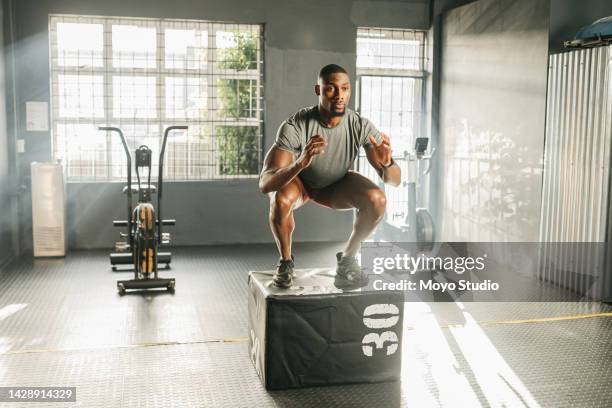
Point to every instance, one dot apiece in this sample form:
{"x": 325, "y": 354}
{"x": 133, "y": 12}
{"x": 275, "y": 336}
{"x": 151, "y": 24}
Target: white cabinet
{"x": 48, "y": 210}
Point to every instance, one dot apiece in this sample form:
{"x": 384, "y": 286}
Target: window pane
{"x": 80, "y": 96}
{"x": 236, "y": 50}
{"x": 237, "y": 98}
{"x": 389, "y": 102}
{"x": 238, "y": 149}
{"x": 146, "y": 74}
{"x": 136, "y": 136}
{"x": 134, "y": 47}
{"x": 185, "y": 49}
{"x": 79, "y": 45}
{"x": 390, "y": 63}
{"x": 225, "y": 39}
{"x": 188, "y": 155}
{"x": 134, "y": 97}
{"x": 388, "y": 53}
{"x": 82, "y": 148}
{"x": 186, "y": 98}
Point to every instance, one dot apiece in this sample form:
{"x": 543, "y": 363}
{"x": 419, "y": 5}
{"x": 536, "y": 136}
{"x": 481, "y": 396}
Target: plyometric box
{"x": 315, "y": 334}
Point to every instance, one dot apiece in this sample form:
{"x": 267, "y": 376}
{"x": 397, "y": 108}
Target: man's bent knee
{"x": 376, "y": 201}
{"x": 284, "y": 200}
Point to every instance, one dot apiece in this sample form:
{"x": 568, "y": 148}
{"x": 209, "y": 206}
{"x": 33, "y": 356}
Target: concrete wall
{"x": 300, "y": 38}
{"x": 6, "y": 163}
{"x": 440, "y": 7}
{"x": 492, "y": 107}
{"x": 566, "y": 16}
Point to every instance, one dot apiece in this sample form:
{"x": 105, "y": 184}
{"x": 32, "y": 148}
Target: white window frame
{"x": 212, "y": 72}
{"x": 396, "y": 197}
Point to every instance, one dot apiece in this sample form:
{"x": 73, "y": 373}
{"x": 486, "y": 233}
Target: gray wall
{"x": 492, "y": 106}
{"x": 439, "y": 7}
{"x": 6, "y": 160}
{"x": 566, "y": 16}
{"x": 300, "y": 38}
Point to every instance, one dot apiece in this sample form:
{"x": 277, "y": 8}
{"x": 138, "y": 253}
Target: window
{"x": 391, "y": 74}
{"x": 144, "y": 75}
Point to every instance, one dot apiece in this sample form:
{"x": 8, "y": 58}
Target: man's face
{"x": 334, "y": 93}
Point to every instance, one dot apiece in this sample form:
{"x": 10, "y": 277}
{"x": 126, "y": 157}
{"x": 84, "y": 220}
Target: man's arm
{"x": 280, "y": 168}
{"x": 379, "y": 156}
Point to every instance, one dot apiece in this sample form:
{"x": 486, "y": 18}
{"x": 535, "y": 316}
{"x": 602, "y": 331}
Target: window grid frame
{"x": 212, "y": 73}
{"x": 397, "y": 198}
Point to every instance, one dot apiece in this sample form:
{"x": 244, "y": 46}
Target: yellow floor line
{"x": 125, "y": 346}
{"x": 547, "y": 319}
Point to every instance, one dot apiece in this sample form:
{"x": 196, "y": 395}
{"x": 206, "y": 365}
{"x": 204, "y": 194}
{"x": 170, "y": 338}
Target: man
{"x": 311, "y": 160}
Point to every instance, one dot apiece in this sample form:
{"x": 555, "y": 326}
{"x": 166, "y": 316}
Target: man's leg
{"x": 282, "y": 205}
{"x": 358, "y": 192}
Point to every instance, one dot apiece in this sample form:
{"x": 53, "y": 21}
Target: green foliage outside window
{"x": 243, "y": 56}
{"x": 236, "y": 98}
{"x": 238, "y": 145}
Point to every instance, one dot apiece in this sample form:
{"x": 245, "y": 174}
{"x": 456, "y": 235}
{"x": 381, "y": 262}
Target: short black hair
{"x": 330, "y": 69}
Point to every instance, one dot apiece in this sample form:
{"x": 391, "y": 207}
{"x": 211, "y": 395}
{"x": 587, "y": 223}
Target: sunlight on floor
{"x": 432, "y": 375}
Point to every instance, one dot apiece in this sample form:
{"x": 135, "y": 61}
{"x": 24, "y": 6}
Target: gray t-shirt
{"x": 343, "y": 143}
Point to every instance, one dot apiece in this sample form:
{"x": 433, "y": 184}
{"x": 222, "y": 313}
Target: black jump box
{"x": 315, "y": 334}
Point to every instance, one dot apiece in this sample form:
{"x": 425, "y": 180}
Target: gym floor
{"x": 62, "y": 323}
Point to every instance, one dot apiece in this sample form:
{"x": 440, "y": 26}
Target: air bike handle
{"x": 129, "y": 178}
{"x": 160, "y": 178}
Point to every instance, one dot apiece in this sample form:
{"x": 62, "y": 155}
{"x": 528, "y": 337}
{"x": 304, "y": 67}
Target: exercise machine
{"x": 418, "y": 225}
{"x": 144, "y": 235}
